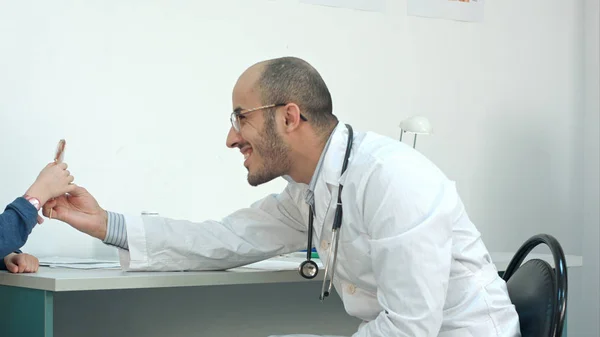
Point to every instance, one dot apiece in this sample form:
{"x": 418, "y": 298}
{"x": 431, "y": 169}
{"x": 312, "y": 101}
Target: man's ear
{"x": 292, "y": 116}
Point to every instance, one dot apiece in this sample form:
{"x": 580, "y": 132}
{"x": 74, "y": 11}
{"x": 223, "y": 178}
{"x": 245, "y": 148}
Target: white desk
{"x": 51, "y": 300}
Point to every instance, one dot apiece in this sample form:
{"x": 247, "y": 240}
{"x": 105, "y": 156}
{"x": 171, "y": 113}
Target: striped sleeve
{"x": 116, "y": 233}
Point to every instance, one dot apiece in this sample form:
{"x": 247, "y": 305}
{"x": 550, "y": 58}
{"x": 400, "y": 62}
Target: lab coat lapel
{"x": 327, "y": 186}
{"x": 322, "y": 203}
{"x": 328, "y": 180}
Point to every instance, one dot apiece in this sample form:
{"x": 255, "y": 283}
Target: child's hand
{"x": 21, "y": 263}
{"x": 54, "y": 180}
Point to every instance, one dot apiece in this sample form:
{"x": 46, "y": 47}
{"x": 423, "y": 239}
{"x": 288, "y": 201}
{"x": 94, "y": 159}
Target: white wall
{"x": 515, "y": 79}
{"x": 141, "y": 91}
{"x": 591, "y": 208}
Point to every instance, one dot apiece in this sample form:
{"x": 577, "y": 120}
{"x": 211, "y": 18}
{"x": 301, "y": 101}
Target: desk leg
{"x": 26, "y": 312}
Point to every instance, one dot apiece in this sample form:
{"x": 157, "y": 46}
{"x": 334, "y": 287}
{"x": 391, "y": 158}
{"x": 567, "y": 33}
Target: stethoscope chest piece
{"x": 308, "y": 269}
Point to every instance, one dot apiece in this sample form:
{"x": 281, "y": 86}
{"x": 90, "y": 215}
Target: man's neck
{"x": 308, "y": 157}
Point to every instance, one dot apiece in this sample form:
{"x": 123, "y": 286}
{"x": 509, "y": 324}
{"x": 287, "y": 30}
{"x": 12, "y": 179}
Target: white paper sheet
{"x": 364, "y": 5}
{"x": 460, "y": 10}
{"x": 71, "y": 260}
{"x": 78, "y": 263}
{"x": 290, "y": 262}
{"x": 108, "y": 265}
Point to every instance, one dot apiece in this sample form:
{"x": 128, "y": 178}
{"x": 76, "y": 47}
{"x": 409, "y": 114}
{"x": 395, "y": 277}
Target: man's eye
{"x": 241, "y": 117}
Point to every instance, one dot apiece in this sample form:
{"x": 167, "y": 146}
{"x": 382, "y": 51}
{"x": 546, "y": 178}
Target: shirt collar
{"x": 326, "y": 165}
{"x": 313, "y": 180}
{"x": 310, "y": 196}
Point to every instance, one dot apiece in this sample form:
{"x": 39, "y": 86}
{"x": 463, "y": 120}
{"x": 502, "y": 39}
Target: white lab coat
{"x": 410, "y": 262}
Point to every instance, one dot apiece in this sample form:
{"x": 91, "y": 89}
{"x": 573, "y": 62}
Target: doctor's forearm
{"x": 116, "y": 232}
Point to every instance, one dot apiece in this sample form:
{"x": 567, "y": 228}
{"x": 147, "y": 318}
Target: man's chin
{"x": 259, "y": 179}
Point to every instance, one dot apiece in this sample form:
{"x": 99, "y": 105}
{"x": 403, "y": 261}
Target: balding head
{"x": 281, "y": 121}
{"x": 292, "y": 80}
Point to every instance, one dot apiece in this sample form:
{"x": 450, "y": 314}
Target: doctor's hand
{"x": 80, "y": 210}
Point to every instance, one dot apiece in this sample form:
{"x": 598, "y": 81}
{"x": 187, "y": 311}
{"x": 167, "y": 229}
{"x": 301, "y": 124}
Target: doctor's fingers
{"x": 50, "y": 204}
{"x": 61, "y": 200}
{"x": 53, "y": 203}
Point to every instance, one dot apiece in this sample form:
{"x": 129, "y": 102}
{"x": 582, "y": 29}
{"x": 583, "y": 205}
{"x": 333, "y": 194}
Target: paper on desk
{"x": 108, "y": 265}
{"x": 78, "y": 263}
{"x": 279, "y": 263}
{"x": 70, "y": 259}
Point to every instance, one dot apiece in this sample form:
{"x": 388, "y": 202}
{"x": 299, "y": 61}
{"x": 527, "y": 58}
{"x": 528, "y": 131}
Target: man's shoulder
{"x": 376, "y": 152}
{"x": 374, "y": 148}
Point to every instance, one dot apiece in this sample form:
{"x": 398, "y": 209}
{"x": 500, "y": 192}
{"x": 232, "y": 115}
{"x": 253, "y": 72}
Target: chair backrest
{"x": 538, "y": 291}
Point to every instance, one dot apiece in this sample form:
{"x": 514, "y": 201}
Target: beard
{"x": 274, "y": 153}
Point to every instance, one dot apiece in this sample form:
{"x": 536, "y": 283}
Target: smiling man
{"x": 409, "y": 260}
{"x": 260, "y": 138}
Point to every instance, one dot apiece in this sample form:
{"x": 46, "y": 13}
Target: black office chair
{"x": 538, "y": 291}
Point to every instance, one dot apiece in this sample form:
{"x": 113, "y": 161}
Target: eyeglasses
{"x": 239, "y": 114}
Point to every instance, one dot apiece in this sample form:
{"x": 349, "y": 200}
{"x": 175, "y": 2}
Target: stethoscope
{"x": 308, "y": 269}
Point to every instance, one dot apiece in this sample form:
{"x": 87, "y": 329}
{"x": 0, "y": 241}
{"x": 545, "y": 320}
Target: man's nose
{"x": 233, "y": 138}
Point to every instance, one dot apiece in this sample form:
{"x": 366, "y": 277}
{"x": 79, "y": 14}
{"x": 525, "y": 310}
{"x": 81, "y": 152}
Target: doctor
{"x": 409, "y": 261}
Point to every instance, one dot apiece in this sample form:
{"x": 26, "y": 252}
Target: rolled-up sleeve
{"x": 16, "y": 223}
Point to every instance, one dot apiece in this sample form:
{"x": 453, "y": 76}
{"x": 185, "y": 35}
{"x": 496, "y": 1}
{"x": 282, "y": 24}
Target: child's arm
{"x": 16, "y": 223}
{"x": 19, "y": 217}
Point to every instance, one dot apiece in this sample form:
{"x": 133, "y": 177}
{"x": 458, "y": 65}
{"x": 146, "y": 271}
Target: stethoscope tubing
{"x": 309, "y": 269}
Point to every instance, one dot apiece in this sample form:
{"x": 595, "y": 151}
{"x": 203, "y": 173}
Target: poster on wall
{"x": 364, "y": 5}
{"x": 460, "y": 10}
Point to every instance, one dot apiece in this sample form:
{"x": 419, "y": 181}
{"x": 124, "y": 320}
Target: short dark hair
{"x": 293, "y": 80}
